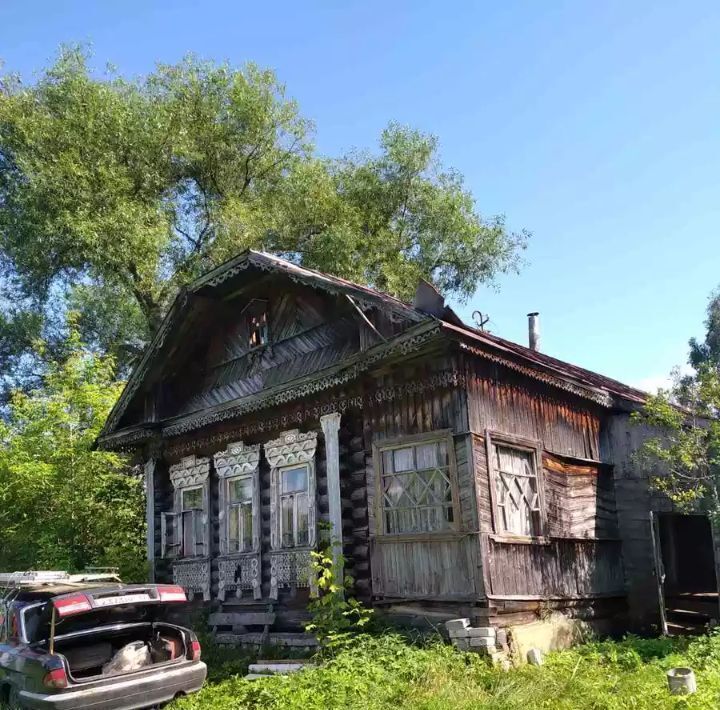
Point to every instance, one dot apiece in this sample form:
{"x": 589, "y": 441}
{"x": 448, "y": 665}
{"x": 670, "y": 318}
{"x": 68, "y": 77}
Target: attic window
{"x": 256, "y": 323}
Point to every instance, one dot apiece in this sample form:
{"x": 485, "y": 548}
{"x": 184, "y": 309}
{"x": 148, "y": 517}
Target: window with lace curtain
{"x": 517, "y": 489}
{"x": 417, "y": 485}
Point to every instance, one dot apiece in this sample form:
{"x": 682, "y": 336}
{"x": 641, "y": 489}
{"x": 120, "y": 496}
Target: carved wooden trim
{"x": 191, "y": 471}
{"x": 438, "y": 380}
{"x": 291, "y": 448}
{"x": 193, "y": 575}
{"x": 238, "y": 571}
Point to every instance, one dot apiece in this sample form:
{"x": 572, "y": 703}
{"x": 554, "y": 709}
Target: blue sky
{"x": 592, "y": 124}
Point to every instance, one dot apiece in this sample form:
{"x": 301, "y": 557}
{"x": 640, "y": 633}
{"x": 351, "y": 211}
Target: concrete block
{"x": 482, "y": 631}
{"x": 457, "y": 624}
{"x": 462, "y": 644}
{"x": 482, "y": 642}
{"x": 535, "y": 657}
{"x": 454, "y": 635}
{"x": 501, "y": 638}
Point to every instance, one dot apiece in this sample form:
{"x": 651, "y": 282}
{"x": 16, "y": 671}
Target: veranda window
{"x": 240, "y": 514}
{"x": 294, "y": 506}
{"x": 517, "y": 490}
{"x": 416, "y": 487}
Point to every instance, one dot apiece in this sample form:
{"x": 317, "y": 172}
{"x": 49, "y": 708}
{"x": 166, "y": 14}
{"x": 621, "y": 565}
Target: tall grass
{"x": 392, "y": 671}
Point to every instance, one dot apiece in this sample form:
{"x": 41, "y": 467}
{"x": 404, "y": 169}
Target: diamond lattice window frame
{"x": 380, "y": 447}
{"x": 533, "y": 449}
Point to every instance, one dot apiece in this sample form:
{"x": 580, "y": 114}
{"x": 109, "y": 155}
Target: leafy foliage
{"x": 115, "y": 193}
{"x": 62, "y": 505}
{"x": 335, "y": 613}
{"x": 391, "y": 671}
{"x": 685, "y": 449}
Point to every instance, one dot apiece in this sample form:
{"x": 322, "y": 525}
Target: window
{"x": 256, "y": 323}
{"x": 193, "y": 527}
{"x": 517, "y": 490}
{"x": 240, "y": 514}
{"x": 294, "y": 506}
{"x": 183, "y": 533}
{"x": 416, "y": 488}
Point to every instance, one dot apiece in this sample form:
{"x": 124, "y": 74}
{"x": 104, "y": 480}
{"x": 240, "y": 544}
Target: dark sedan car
{"x": 67, "y": 643}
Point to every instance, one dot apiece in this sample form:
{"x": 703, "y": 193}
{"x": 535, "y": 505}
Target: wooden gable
{"x": 250, "y": 335}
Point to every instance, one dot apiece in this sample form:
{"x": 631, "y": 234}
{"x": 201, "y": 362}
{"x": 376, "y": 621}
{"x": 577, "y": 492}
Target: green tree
{"x": 115, "y": 193}
{"x": 63, "y": 505}
{"x": 686, "y": 446}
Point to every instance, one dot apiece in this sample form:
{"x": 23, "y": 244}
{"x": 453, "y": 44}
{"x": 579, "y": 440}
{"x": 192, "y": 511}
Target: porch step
{"x": 677, "y": 628}
{"x": 290, "y": 640}
{"x": 248, "y": 618}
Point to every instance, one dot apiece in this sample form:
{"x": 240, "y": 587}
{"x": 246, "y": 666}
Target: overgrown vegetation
{"x": 63, "y": 506}
{"x": 394, "y": 671}
{"x": 686, "y": 450}
{"x": 335, "y": 612}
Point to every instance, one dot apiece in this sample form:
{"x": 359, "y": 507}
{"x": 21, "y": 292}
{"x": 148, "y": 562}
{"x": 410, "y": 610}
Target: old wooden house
{"x": 466, "y": 475}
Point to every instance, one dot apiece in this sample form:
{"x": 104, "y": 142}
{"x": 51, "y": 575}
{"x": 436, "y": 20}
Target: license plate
{"x": 122, "y": 599}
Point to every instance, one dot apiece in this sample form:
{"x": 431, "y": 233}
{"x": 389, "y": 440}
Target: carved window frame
{"x": 379, "y": 447}
{"x": 192, "y": 573}
{"x": 190, "y": 473}
{"x": 291, "y": 567}
{"x": 238, "y": 461}
{"x": 533, "y": 449}
{"x": 238, "y": 570}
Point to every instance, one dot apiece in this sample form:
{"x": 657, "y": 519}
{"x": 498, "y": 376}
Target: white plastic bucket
{"x": 681, "y": 681}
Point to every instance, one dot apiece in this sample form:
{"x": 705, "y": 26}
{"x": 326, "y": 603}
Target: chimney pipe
{"x": 534, "y": 330}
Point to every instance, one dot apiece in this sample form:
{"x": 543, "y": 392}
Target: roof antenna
{"x": 481, "y": 319}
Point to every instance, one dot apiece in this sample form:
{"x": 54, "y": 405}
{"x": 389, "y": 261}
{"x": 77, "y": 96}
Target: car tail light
{"x": 172, "y": 594}
{"x": 195, "y": 650}
{"x": 76, "y": 604}
{"x": 56, "y": 679}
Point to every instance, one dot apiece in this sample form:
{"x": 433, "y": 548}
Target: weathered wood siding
{"x": 503, "y": 400}
{"x": 580, "y": 499}
{"x": 580, "y": 555}
{"x": 437, "y": 568}
{"x": 557, "y": 568}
